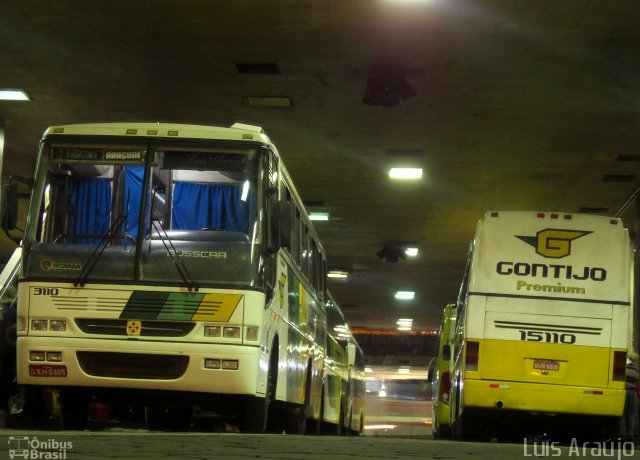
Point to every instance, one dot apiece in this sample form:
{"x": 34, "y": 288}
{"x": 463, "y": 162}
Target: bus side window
{"x": 312, "y": 263}
{"x": 295, "y": 238}
{"x": 304, "y": 248}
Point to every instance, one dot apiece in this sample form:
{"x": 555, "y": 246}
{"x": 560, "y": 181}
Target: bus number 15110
{"x": 549, "y": 337}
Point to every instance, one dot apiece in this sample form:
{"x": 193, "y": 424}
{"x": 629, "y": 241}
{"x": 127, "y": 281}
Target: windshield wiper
{"x": 177, "y": 261}
{"x": 97, "y": 252}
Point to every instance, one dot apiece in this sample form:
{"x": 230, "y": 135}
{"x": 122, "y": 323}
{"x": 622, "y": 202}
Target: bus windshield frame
{"x": 112, "y": 209}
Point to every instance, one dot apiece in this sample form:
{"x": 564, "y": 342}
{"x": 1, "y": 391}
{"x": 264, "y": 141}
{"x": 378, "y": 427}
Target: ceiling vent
{"x": 628, "y": 157}
{"x": 618, "y": 178}
{"x": 270, "y": 101}
{"x": 387, "y": 88}
{"x": 257, "y": 68}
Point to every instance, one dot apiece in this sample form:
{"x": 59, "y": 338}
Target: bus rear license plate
{"x": 43, "y": 370}
{"x": 546, "y": 365}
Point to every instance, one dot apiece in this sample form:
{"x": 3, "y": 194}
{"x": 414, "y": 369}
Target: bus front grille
{"x": 147, "y": 328}
{"x": 133, "y": 365}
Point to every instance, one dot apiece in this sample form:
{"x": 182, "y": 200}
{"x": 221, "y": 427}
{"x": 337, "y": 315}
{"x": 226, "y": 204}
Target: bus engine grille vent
{"x": 132, "y": 365}
{"x": 147, "y": 329}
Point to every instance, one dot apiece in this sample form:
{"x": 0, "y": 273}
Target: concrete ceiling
{"x": 519, "y": 105}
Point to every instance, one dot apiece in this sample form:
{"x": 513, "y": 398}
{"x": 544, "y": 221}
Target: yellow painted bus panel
{"x": 534, "y": 397}
{"x": 545, "y": 363}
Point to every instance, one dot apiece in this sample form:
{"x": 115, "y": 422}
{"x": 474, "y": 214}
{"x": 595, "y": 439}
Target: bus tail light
{"x": 471, "y": 356}
{"x": 619, "y": 365}
{"x": 445, "y": 387}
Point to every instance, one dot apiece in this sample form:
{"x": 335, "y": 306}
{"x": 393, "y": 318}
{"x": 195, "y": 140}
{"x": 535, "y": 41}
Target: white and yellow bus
{"x": 172, "y": 266}
{"x": 441, "y": 412}
{"x": 343, "y": 404}
{"x": 542, "y": 325}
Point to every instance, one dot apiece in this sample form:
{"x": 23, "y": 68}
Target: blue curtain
{"x": 133, "y": 176}
{"x": 215, "y": 206}
{"x": 88, "y": 207}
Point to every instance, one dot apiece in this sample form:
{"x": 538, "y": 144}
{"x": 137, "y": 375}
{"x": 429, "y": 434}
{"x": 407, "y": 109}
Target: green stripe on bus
{"x": 179, "y": 306}
{"x": 144, "y": 305}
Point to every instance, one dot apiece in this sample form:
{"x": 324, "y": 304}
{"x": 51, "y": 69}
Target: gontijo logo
{"x": 553, "y": 243}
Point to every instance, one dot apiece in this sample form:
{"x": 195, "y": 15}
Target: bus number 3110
{"x": 549, "y": 337}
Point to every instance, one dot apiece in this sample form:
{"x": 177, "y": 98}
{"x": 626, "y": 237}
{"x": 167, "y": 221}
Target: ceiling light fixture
{"x": 405, "y": 173}
{"x": 338, "y": 274}
{"x": 405, "y": 295}
{"x": 13, "y": 95}
{"x": 323, "y": 216}
{"x": 411, "y": 252}
{"x": 405, "y": 324}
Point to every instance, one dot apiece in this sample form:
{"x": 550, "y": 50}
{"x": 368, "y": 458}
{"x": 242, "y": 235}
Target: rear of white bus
{"x": 546, "y": 316}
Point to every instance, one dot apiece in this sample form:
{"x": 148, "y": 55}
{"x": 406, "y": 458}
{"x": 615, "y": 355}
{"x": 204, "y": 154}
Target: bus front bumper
{"x": 142, "y": 365}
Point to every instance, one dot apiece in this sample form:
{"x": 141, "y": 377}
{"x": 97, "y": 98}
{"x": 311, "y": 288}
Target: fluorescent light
{"x": 337, "y": 274}
{"x": 319, "y": 216}
{"x": 405, "y": 173}
{"x": 405, "y": 295}
{"x": 13, "y": 95}
{"x": 404, "y": 370}
{"x": 368, "y": 369}
{"x": 405, "y": 322}
{"x": 404, "y": 328}
{"x": 411, "y": 252}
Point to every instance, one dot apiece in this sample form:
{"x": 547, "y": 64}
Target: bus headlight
{"x": 37, "y": 355}
{"x": 54, "y": 356}
{"x": 230, "y": 364}
{"x": 39, "y": 324}
{"x": 211, "y": 363}
{"x": 58, "y": 325}
{"x": 212, "y": 331}
{"x": 231, "y": 332}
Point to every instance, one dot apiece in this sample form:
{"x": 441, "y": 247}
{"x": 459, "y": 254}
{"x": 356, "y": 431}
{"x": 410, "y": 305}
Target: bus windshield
{"x": 147, "y": 212}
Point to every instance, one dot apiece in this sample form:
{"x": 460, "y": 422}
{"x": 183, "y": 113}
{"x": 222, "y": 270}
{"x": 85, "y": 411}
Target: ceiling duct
{"x": 387, "y": 88}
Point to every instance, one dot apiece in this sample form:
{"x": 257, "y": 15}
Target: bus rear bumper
{"x": 541, "y": 398}
{"x": 142, "y": 365}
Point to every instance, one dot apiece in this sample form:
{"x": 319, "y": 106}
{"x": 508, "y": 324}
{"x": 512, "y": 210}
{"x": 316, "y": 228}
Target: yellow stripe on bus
{"x": 217, "y": 307}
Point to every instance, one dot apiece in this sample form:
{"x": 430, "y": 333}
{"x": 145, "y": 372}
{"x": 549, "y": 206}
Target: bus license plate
{"x": 546, "y": 365}
{"x": 44, "y": 370}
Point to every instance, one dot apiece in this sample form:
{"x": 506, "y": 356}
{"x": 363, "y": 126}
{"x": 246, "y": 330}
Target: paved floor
{"x": 141, "y": 445}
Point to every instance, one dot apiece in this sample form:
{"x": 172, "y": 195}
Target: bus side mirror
{"x": 284, "y": 228}
{"x": 446, "y": 352}
{"x": 9, "y": 207}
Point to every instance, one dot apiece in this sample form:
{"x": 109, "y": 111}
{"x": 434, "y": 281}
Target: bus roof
{"x": 237, "y": 131}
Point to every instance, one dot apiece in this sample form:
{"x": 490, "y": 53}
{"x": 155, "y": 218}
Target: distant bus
{"x": 172, "y": 266}
{"x": 343, "y": 403}
{"x": 542, "y": 324}
{"x": 441, "y": 427}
